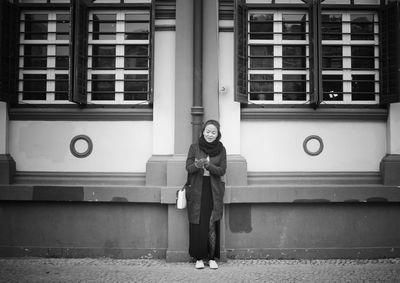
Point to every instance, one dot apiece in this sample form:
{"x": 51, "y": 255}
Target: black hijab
{"x": 211, "y": 148}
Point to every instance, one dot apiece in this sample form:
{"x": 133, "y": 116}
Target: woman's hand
{"x": 206, "y": 161}
{"x": 199, "y": 163}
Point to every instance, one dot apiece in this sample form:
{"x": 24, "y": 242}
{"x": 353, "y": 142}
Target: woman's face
{"x": 210, "y": 133}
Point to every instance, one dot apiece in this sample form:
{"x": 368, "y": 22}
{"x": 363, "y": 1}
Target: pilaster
{"x": 390, "y": 164}
{"x": 7, "y": 163}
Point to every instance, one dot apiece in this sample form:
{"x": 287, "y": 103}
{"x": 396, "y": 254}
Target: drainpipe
{"x": 197, "y": 110}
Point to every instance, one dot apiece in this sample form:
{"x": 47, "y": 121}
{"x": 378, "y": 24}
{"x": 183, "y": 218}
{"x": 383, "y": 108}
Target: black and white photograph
{"x": 200, "y": 141}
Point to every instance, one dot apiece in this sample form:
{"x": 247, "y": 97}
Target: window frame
{"x": 75, "y": 81}
{"x": 119, "y": 70}
{"x": 316, "y": 88}
{"x": 50, "y": 71}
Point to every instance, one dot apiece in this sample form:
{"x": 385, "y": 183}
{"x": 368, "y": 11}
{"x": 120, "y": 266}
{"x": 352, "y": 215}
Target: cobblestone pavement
{"x": 144, "y": 270}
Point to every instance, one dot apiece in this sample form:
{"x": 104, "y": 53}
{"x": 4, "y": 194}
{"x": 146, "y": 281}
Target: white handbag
{"x": 181, "y": 198}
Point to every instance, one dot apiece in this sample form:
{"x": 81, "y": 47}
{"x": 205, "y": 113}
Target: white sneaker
{"x": 199, "y": 264}
{"x": 213, "y": 264}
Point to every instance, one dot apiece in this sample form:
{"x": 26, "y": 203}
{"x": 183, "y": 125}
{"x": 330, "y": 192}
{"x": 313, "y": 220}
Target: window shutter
{"x": 78, "y": 51}
{"x": 315, "y": 56}
{"x": 9, "y": 35}
{"x": 151, "y": 57}
{"x": 390, "y": 39}
{"x": 240, "y": 20}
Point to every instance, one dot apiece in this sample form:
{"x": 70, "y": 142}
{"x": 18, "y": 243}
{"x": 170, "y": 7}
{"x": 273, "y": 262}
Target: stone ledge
{"x": 76, "y": 114}
{"x": 307, "y": 113}
{"x": 286, "y": 193}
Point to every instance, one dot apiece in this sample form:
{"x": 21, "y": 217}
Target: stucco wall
{"x": 45, "y": 146}
{"x": 278, "y": 145}
{"x": 312, "y": 230}
{"x": 83, "y": 229}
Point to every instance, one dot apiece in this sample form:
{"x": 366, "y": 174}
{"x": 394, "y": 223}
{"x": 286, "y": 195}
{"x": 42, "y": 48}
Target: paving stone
{"x": 144, "y": 270}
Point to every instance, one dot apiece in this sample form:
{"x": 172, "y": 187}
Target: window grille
{"x": 44, "y": 57}
{"x": 119, "y": 57}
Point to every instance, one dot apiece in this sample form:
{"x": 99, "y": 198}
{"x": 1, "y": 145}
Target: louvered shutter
{"x": 240, "y": 20}
{"x": 151, "y": 47}
{"x": 78, "y": 51}
{"x": 9, "y": 38}
{"x": 390, "y": 39}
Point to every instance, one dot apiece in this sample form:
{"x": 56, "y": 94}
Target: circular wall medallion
{"x": 313, "y": 145}
{"x": 81, "y": 146}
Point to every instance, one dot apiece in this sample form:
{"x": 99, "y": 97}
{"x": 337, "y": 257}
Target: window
{"x": 314, "y": 52}
{"x": 278, "y": 56}
{"x": 44, "y": 57}
{"x": 350, "y": 57}
{"x": 76, "y": 51}
{"x": 119, "y": 57}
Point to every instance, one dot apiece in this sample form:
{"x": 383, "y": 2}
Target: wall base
{"x": 7, "y": 169}
{"x": 390, "y": 169}
{"x": 236, "y": 173}
{"x": 156, "y": 170}
{"x": 73, "y": 252}
{"x": 315, "y": 253}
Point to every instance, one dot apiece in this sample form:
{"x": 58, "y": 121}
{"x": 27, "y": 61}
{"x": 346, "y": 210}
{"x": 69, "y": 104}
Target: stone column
{"x": 7, "y": 163}
{"x": 178, "y": 226}
{"x": 390, "y": 164}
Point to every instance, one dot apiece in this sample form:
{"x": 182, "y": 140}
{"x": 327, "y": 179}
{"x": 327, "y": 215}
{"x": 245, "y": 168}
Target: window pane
{"x": 137, "y": 26}
{"x": 261, "y": 57}
{"x": 36, "y": 26}
{"x": 363, "y": 87}
{"x": 137, "y": 31}
{"x": 294, "y": 57}
{"x": 140, "y": 17}
{"x": 62, "y": 26}
{"x": 61, "y": 87}
{"x": 103, "y": 56}
{"x": 261, "y": 87}
{"x": 103, "y": 87}
{"x": 332, "y": 57}
{"x": 136, "y": 56}
{"x": 261, "y": 26}
{"x": 294, "y": 87}
{"x": 289, "y": 2}
{"x": 294, "y": 26}
{"x": 362, "y": 57}
{"x": 367, "y": 2}
{"x": 332, "y": 27}
{"x": 336, "y": 2}
{"x": 136, "y": 87}
{"x": 62, "y": 57}
{"x": 34, "y": 87}
{"x": 35, "y": 56}
{"x": 332, "y": 87}
{"x": 104, "y": 26}
{"x": 362, "y": 27}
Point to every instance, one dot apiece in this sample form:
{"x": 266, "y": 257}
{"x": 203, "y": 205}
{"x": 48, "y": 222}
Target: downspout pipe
{"x": 197, "y": 110}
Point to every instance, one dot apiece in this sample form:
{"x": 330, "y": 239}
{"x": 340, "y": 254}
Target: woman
{"x": 206, "y": 164}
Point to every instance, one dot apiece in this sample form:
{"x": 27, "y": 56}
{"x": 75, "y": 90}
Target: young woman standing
{"x": 206, "y": 164}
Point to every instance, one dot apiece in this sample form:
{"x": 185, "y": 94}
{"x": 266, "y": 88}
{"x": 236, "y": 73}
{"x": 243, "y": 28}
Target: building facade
{"x": 101, "y": 99}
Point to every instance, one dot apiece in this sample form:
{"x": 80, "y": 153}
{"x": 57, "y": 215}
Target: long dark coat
{"x": 217, "y": 168}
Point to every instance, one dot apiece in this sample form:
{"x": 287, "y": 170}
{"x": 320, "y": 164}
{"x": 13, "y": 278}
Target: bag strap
{"x": 187, "y": 180}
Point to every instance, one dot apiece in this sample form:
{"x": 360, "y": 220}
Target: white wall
{"x": 278, "y": 145}
{"x": 45, "y": 146}
{"x": 229, "y": 109}
{"x": 3, "y": 128}
{"x": 394, "y": 129}
{"x": 164, "y": 93}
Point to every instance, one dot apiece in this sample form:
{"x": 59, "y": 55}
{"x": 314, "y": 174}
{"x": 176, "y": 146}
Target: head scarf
{"x": 211, "y": 148}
